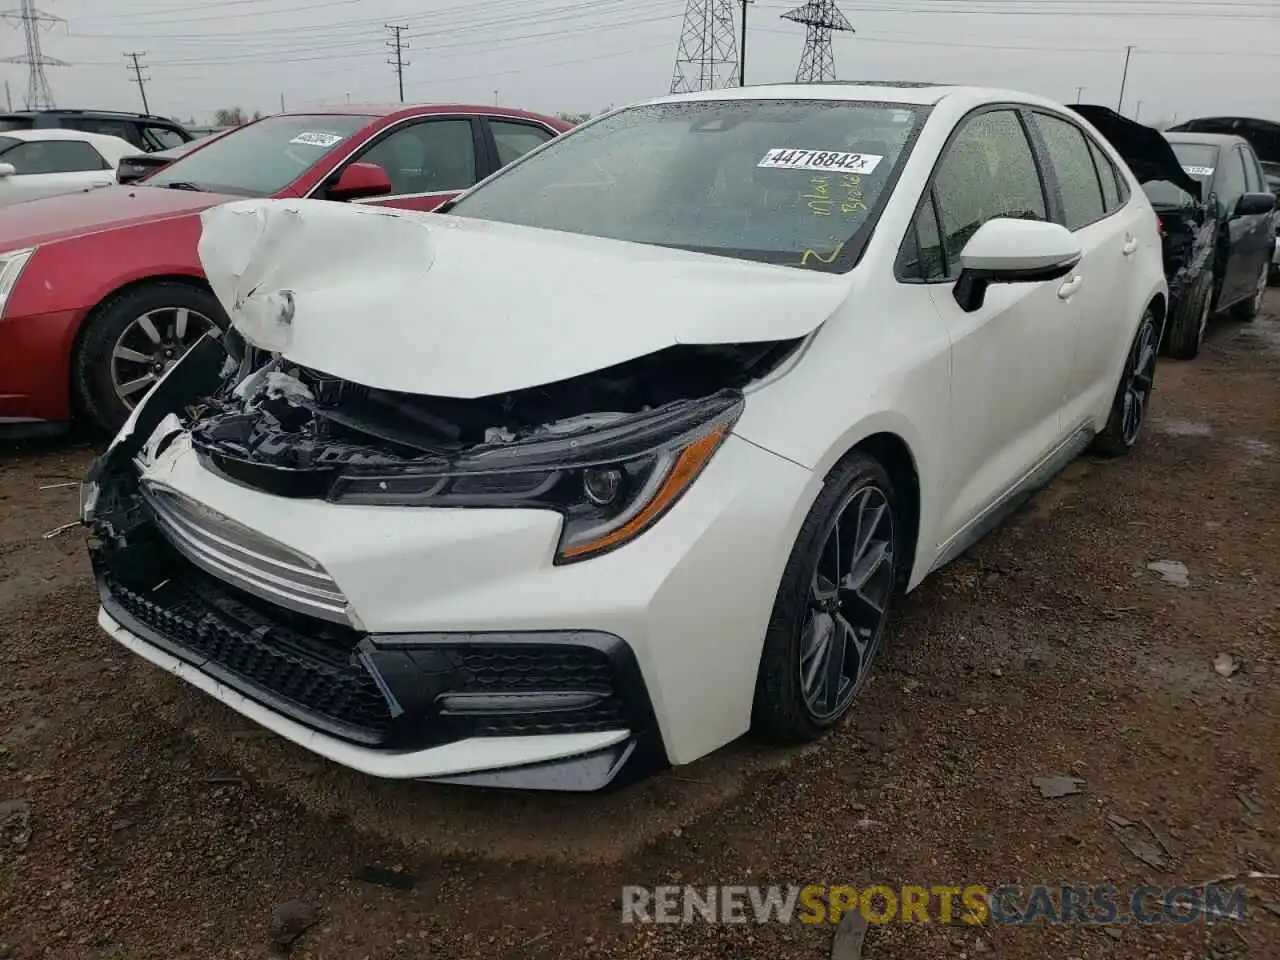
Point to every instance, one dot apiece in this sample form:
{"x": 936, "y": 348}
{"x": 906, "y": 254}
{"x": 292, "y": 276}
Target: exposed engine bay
{"x": 290, "y": 431}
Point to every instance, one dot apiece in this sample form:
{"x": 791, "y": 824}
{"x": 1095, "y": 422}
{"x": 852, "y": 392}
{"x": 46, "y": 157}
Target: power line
{"x": 399, "y": 44}
{"x": 39, "y": 93}
{"x": 138, "y": 78}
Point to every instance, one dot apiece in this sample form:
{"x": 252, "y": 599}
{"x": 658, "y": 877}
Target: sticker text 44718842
{"x": 837, "y": 161}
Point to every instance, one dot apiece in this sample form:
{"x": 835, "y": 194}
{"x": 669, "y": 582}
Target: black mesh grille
{"x": 319, "y": 679}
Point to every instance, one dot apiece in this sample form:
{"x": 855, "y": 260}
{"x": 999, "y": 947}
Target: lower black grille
{"x": 317, "y": 680}
{"x": 394, "y": 692}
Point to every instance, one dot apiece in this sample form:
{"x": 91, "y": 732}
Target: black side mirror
{"x": 1255, "y": 204}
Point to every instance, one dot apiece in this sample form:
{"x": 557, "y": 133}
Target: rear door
{"x": 509, "y": 139}
{"x": 1113, "y": 235}
{"x": 47, "y": 168}
{"x": 429, "y": 160}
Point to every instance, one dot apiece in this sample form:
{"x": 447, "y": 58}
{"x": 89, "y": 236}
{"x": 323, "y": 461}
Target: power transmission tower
{"x": 138, "y": 78}
{"x": 707, "y": 58}
{"x": 39, "y": 93}
{"x": 820, "y": 18}
{"x": 399, "y": 45}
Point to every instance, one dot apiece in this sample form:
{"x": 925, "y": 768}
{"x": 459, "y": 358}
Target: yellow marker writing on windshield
{"x": 828, "y": 259}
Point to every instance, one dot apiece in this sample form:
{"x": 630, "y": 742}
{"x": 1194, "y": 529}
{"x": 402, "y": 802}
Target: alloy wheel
{"x": 1138, "y": 382}
{"x": 848, "y": 598}
{"x": 150, "y": 345}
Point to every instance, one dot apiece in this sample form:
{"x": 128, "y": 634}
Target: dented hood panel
{"x": 448, "y": 306}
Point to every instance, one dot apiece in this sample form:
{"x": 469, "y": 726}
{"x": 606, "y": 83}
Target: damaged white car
{"x": 630, "y": 451}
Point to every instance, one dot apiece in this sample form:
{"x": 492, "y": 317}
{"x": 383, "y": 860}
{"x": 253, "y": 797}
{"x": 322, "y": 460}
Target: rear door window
{"x": 53, "y": 156}
{"x": 1078, "y": 180}
{"x": 1109, "y": 176}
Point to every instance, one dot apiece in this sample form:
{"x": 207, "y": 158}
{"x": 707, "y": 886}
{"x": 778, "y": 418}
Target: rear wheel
{"x": 1190, "y": 318}
{"x": 832, "y": 605}
{"x": 1129, "y": 409}
{"x": 131, "y": 340}
{"x": 1248, "y": 310}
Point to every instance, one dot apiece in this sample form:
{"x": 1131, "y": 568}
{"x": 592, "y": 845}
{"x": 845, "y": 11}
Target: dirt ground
{"x": 139, "y": 820}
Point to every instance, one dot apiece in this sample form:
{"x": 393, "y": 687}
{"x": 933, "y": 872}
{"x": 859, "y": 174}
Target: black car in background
{"x": 1264, "y": 137}
{"x": 1217, "y": 218}
{"x": 146, "y": 132}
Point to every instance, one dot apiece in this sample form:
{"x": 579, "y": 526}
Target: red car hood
{"x": 108, "y": 208}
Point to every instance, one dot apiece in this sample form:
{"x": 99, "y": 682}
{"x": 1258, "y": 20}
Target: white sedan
{"x": 630, "y": 451}
{"x": 46, "y": 163}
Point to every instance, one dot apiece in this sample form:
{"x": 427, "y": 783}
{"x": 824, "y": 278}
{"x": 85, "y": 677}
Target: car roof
{"x": 60, "y": 133}
{"x": 397, "y": 110}
{"x": 908, "y": 92}
{"x": 1208, "y": 139}
{"x": 72, "y": 112}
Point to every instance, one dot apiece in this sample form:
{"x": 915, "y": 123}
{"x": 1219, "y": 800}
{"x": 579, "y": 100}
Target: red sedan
{"x": 101, "y": 292}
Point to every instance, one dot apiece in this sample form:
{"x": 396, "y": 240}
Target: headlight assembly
{"x": 11, "y": 265}
{"x": 610, "y": 483}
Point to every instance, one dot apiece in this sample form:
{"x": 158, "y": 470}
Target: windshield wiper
{"x": 183, "y": 185}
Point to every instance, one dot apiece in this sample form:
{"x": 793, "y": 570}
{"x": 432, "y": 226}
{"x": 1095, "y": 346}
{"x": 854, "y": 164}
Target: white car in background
{"x": 630, "y": 451}
{"x": 48, "y": 162}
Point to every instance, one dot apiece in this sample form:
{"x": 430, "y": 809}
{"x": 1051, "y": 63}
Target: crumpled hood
{"x": 450, "y": 306}
{"x": 1146, "y": 151}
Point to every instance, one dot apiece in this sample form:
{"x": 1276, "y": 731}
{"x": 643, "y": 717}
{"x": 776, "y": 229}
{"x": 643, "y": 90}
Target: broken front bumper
{"x": 551, "y": 710}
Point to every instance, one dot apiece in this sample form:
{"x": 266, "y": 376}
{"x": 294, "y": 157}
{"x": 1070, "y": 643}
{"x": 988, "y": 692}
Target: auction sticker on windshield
{"x": 1199, "y": 171}
{"x": 317, "y": 139}
{"x": 786, "y": 158}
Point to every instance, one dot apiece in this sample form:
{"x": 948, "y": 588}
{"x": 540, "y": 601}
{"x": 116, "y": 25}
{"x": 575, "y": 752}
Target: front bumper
{"x": 550, "y": 710}
{"x": 659, "y": 641}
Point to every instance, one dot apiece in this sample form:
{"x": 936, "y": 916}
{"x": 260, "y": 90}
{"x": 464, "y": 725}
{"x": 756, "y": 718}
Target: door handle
{"x": 1069, "y": 289}
{"x": 1130, "y": 247}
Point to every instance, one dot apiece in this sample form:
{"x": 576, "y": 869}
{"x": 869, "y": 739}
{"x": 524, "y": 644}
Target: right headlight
{"x": 611, "y": 483}
{"x": 11, "y": 265}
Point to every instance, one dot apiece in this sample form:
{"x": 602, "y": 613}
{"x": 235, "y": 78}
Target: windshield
{"x": 262, "y": 158}
{"x": 780, "y": 181}
{"x": 8, "y": 143}
{"x": 1199, "y": 160}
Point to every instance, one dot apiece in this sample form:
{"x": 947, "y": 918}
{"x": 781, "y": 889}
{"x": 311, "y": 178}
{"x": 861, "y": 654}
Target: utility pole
{"x": 282, "y": 103}
{"x": 1124, "y": 79}
{"x": 1138, "y": 112}
{"x": 742, "y": 47}
{"x": 1080, "y": 92}
{"x": 39, "y": 93}
{"x": 399, "y": 45}
{"x": 8, "y": 97}
{"x": 138, "y": 78}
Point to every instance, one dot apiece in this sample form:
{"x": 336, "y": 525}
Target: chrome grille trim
{"x": 244, "y": 558}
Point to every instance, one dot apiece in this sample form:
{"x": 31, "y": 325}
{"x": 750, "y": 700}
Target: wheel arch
{"x": 124, "y": 289}
{"x": 893, "y": 453}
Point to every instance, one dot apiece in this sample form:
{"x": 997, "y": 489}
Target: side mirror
{"x": 7, "y": 169}
{"x": 360, "y": 180}
{"x": 1013, "y": 251}
{"x": 1254, "y": 204}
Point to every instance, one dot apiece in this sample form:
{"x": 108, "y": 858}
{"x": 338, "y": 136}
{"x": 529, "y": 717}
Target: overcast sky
{"x": 1190, "y": 58}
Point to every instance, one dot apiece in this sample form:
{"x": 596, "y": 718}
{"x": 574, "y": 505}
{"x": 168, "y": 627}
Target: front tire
{"x": 832, "y": 605}
{"x": 131, "y": 339}
{"x": 1133, "y": 395}
{"x": 1190, "y": 318}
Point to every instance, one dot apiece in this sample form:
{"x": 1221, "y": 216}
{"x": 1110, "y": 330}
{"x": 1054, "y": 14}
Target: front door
{"x": 428, "y": 161}
{"x": 1012, "y": 358}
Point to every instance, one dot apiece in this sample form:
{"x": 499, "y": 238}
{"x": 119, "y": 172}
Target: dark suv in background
{"x": 145, "y": 132}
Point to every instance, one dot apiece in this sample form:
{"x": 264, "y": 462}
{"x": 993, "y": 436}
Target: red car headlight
{"x": 11, "y": 265}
